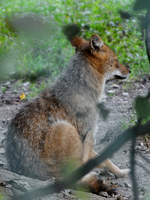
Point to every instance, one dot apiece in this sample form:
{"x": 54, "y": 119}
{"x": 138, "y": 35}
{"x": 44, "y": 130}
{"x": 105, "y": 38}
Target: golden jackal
{"x": 59, "y": 125}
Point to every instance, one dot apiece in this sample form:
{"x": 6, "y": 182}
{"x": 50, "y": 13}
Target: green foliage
{"x": 31, "y": 57}
{"x": 35, "y": 89}
{"x": 142, "y": 4}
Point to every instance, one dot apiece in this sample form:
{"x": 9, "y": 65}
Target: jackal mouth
{"x": 120, "y": 77}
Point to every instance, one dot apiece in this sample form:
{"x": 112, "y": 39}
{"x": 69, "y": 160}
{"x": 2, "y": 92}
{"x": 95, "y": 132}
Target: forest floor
{"x": 118, "y": 100}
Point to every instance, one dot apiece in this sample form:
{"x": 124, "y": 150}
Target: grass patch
{"x": 31, "y": 57}
{"x": 35, "y": 89}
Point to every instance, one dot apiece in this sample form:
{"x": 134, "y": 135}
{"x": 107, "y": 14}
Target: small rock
{"x": 125, "y": 151}
{"x": 104, "y": 194}
{"x": 141, "y": 144}
{"x": 142, "y": 189}
{"x": 140, "y": 162}
{"x": 111, "y": 91}
{"x": 115, "y": 86}
{"x": 2, "y": 164}
{"x": 126, "y": 102}
{"x": 125, "y": 94}
{"x": 127, "y": 185}
{"x": 4, "y": 121}
{"x": 120, "y": 198}
{"x": 67, "y": 193}
{"x": 2, "y": 151}
{"x": 140, "y": 148}
{"x": 147, "y": 151}
{"x": 7, "y": 83}
{"x": 26, "y": 84}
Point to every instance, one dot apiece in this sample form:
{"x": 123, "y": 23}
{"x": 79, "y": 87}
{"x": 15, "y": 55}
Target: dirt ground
{"x": 119, "y": 98}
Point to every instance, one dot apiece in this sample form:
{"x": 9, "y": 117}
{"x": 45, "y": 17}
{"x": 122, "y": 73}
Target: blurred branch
{"x": 124, "y": 14}
{"x": 31, "y": 25}
{"x": 140, "y": 5}
{"x": 147, "y": 34}
{"x": 133, "y": 170}
{"x": 108, "y": 152}
{"x": 103, "y": 111}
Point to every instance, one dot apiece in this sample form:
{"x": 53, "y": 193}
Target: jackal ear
{"x": 79, "y": 43}
{"x": 96, "y": 43}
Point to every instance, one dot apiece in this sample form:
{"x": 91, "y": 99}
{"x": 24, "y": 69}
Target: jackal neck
{"x": 80, "y": 77}
{"x": 90, "y": 78}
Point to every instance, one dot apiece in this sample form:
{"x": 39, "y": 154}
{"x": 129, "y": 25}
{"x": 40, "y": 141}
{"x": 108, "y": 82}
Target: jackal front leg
{"x": 92, "y": 180}
{"x": 108, "y": 164}
{"x": 88, "y": 153}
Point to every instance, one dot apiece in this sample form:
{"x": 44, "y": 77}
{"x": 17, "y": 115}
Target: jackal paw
{"x": 123, "y": 173}
{"x": 101, "y": 186}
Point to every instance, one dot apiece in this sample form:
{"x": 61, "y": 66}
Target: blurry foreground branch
{"x": 144, "y": 19}
{"x": 147, "y": 34}
{"x": 70, "y": 181}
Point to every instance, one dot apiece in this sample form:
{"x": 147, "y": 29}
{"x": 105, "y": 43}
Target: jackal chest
{"x": 86, "y": 121}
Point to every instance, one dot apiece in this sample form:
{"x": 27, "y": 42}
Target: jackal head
{"x": 100, "y": 57}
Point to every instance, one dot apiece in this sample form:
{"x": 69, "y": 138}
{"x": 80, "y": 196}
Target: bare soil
{"x": 119, "y": 101}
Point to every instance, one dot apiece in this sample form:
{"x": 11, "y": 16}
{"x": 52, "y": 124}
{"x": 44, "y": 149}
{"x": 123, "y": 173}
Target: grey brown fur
{"x": 77, "y": 90}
